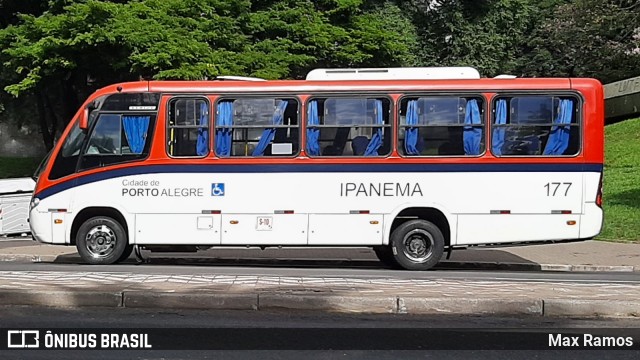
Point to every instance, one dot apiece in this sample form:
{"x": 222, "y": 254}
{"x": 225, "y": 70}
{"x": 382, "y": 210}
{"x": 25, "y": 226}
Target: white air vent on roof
{"x": 238, "y": 78}
{"x": 503, "y": 76}
{"x": 415, "y": 73}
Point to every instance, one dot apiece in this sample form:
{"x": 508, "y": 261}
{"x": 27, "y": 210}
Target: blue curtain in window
{"x": 135, "y": 129}
{"x": 202, "y": 145}
{"x": 313, "y": 133}
{"x": 497, "y": 139}
{"x": 269, "y": 134}
{"x": 411, "y": 133}
{"x": 559, "y": 138}
{"x": 224, "y": 133}
{"x": 376, "y": 140}
{"x": 472, "y": 134}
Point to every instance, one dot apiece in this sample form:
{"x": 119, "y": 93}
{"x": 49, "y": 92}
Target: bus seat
{"x": 339, "y": 142}
{"x": 359, "y": 145}
{"x": 331, "y": 150}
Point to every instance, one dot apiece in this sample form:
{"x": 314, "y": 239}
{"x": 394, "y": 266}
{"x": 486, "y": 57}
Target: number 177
{"x": 553, "y": 187}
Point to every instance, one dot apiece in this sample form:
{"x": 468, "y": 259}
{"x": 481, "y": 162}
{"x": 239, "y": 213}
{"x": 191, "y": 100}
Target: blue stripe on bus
{"x": 315, "y": 168}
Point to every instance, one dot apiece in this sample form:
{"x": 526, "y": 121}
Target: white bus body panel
{"x": 264, "y": 229}
{"x": 490, "y": 229}
{"x": 178, "y": 208}
{"x": 592, "y": 219}
{"x": 165, "y": 229}
{"x": 345, "y": 229}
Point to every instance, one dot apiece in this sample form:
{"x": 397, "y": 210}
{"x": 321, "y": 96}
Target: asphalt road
{"x": 98, "y": 318}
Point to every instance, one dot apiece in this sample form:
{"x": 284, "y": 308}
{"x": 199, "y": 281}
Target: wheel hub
{"x": 418, "y": 245}
{"x": 101, "y": 241}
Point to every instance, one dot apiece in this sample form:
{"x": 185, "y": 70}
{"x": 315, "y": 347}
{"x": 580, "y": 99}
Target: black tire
{"x": 417, "y": 245}
{"x": 102, "y": 240}
{"x": 125, "y": 254}
{"x": 385, "y": 255}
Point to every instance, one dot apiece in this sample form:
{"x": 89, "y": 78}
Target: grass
{"x": 11, "y": 167}
{"x": 622, "y": 182}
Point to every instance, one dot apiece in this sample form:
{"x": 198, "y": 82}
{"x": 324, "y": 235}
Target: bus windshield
{"x": 42, "y": 166}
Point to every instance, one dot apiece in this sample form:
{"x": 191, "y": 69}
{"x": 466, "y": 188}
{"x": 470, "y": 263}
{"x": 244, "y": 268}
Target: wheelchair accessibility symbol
{"x": 217, "y": 189}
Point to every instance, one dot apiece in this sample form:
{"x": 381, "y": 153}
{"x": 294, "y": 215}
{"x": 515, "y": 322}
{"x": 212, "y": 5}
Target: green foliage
{"x": 585, "y": 38}
{"x": 483, "y": 34}
{"x": 199, "y": 39}
{"x": 57, "y": 52}
{"x": 621, "y": 181}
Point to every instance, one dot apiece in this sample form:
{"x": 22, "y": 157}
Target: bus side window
{"x": 348, "y": 127}
{"x": 257, "y": 127}
{"x": 188, "y": 127}
{"x": 441, "y": 126}
{"x": 535, "y": 126}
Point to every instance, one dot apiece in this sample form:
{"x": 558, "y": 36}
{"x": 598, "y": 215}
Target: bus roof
{"x": 311, "y": 86}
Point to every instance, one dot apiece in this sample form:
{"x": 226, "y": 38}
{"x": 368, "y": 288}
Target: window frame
{"x": 153, "y": 123}
{"x": 373, "y": 95}
{"x": 578, "y": 110}
{"x": 484, "y": 108}
{"x": 275, "y": 96}
{"x": 169, "y": 127}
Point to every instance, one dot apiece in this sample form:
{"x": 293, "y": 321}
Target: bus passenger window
{"x": 257, "y": 127}
{"x": 188, "y": 127}
{"x": 348, "y": 127}
{"x": 527, "y": 126}
{"x": 441, "y": 126}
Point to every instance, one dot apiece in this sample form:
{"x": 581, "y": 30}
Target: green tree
{"x": 586, "y": 38}
{"x": 62, "y": 54}
{"x": 485, "y": 34}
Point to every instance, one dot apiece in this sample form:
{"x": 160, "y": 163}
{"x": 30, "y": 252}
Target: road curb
{"x": 535, "y": 267}
{"x": 67, "y": 298}
{"x": 446, "y": 264}
{"x": 432, "y": 306}
{"x": 328, "y": 302}
{"x": 27, "y": 258}
{"x": 373, "y": 304}
{"x": 199, "y": 301}
{"x": 591, "y": 308}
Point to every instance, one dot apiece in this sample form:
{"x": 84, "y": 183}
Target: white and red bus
{"x": 411, "y": 162}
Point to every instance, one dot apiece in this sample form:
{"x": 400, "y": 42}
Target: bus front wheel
{"x": 102, "y": 240}
{"x": 417, "y": 245}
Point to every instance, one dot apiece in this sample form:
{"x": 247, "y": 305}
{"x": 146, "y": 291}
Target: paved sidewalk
{"x": 576, "y": 256}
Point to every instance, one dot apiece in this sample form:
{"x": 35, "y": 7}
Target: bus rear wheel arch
{"x": 417, "y": 244}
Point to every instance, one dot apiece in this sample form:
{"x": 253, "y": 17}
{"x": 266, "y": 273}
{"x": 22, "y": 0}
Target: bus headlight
{"x": 34, "y": 202}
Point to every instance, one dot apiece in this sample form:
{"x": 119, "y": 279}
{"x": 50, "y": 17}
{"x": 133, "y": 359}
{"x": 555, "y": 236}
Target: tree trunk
{"x": 42, "y": 120}
{"x": 52, "y": 115}
{"x": 69, "y": 99}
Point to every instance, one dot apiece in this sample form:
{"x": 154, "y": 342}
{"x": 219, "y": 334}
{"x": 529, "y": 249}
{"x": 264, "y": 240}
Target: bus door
{"x": 179, "y": 206}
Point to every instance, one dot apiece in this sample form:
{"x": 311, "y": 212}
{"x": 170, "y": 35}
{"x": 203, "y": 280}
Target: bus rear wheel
{"x": 417, "y": 245}
{"x": 102, "y": 240}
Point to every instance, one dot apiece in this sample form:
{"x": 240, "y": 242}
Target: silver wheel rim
{"x": 100, "y": 241}
{"x": 418, "y": 245}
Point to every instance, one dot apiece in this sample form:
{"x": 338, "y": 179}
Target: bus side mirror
{"x": 84, "y": 119}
